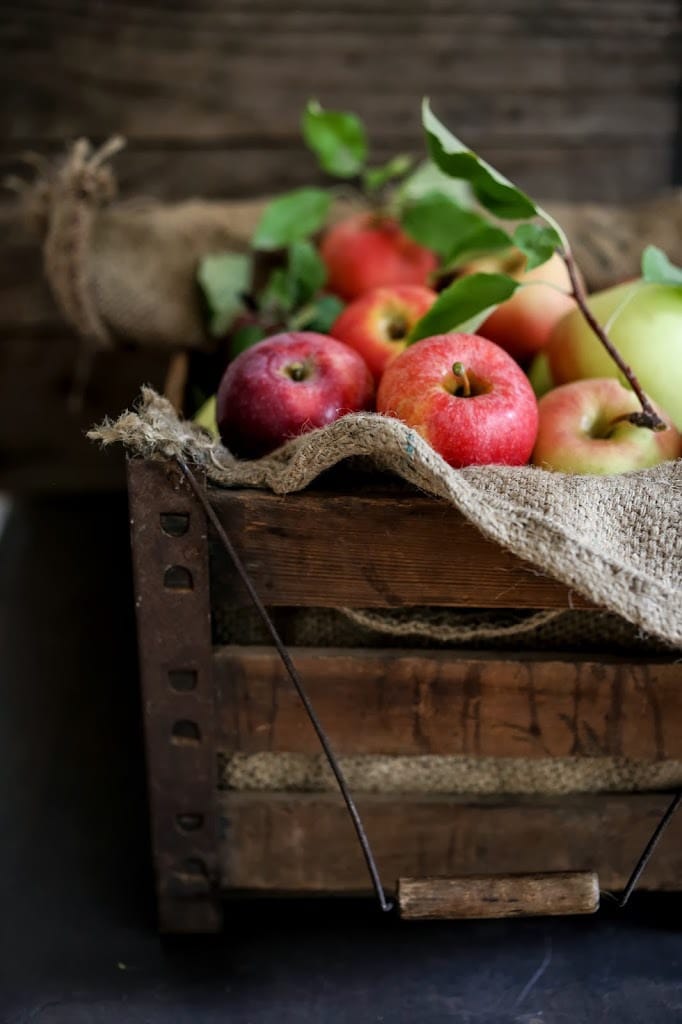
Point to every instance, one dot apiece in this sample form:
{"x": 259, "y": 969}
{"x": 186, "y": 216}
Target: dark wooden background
{"x": 573, "y": 99}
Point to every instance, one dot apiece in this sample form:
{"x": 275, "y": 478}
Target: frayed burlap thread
{"x": 614, "y": 539}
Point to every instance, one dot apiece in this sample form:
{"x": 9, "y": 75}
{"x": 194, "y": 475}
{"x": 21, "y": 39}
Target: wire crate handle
{"x": 547, "y": 894}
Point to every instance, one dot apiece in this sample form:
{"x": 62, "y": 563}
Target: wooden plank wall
{"x": 574, "y": 99}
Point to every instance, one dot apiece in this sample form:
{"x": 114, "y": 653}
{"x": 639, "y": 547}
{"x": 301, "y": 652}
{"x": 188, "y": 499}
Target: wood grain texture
{"x": 394, "y": 702}
{"x": 305, "y": 843}
{"x": 43, "y": 446}
{"x": 209, "y": 71}
{"x": 325, "y": 550}
{"x": 486, "y": 896}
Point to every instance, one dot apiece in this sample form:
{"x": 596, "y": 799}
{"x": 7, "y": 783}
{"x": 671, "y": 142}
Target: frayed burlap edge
{"x": 614, "y": 539}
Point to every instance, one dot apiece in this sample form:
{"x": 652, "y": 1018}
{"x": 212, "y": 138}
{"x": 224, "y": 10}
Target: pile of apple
{"x": 487, "y": 372}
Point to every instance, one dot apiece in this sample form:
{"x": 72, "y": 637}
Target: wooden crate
{"x": 375, "y": 547}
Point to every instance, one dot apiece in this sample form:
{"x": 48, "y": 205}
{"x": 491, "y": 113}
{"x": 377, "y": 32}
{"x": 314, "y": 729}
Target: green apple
{"x": 206, "y": 416}
{"x": 540, "y": 375}
{"x": 646, "y": 328}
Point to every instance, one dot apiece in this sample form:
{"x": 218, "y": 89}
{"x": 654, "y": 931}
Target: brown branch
{"x": 648, "y": 417}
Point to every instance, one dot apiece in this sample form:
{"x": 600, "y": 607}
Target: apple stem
{"x": 462, "y": 379}
{"x": 648, "y": 417}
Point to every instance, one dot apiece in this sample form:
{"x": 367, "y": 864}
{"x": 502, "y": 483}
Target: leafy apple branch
{"x": 467, "y": 301}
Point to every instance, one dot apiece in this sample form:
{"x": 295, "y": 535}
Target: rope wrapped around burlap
{"x": 614, "y": 539}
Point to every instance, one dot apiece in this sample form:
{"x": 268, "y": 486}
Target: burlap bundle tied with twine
{"x": 614, "y": 539}
{"x": 125, "y": 271}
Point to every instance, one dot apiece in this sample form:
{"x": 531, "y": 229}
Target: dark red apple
{"x": 377, "y": 324}
{"x": 286, "y": 385}
{"x": 464, "y": 395}
{"x": 370, "y": 250}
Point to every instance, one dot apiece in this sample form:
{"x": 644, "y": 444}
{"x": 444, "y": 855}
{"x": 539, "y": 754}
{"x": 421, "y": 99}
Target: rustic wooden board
{"x": 479, "y": 896}
{"x": 305, "y": 843}
{"x": 43, "y": 446}
{"x": 326, "y": 550}
{"x": 210, "y": 71}
{"x": 395, "y": 702}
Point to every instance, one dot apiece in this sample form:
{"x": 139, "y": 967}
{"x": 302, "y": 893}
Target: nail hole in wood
{"x": 185, "y": 732}
{"x": 182, "y": 679}
{"x": 175, "y": 524}
{"x": 189, "y": 822}
{"x": 177, "y": 577}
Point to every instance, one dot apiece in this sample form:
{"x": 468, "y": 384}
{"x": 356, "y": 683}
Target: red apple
{"x": 523, "y": 324}
{"x": 369, "y": 250}
{"x": 581, "y": 430}
{"x": 466, "y": 397}
{"x": 286, "y": 385}
{"x": 377, "y": 323}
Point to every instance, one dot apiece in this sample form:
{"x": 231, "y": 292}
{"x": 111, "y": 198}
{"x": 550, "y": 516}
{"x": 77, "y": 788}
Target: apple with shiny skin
{"x": 524, "y": 323}
{"x": 369, "y": 250}
{"x": 377, "y": 324}
{"x": 647, "y": 333}
{"x": 287, "y": 385}
{"x": 466, "y": 397}
{"x": 582, "y": 429}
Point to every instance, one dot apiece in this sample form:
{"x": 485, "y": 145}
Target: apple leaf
{"x": 292, "y": 286}
{"x": 245, "y": 337}
{"x": 429, "y": 178}
{"x": 437, "y": 222}
{"x": 493, "y": 191}
{"x": 224, "y": 279}
{"x": 482, "y": 239}
{"x": 338, "y": 140}
{"x": 320, "y": 315}
{"x": 291, "y": 218}
{"x": 465, "y": 299}
{"x": 538, "y": 242}
{"x": 306, "y": 271}
{"x": 374, "y": 178}
{"x": 657, "y": 268}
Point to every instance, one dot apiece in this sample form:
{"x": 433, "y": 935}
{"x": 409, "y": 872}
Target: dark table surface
{"x": 77, "y": 938}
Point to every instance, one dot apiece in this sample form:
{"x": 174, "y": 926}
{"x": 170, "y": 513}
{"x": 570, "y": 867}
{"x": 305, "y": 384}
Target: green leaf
{"x": 278, "y": 294}
{"x": 245, "y": 337}
{"x": 495, "y": 192}
{"x": 338, "y": 139}
{"x": 438, "y": 222}
{"x": 321, "y": 314}
{"x": 481, "y": 240}
{"x": 465, "y": 299}
{"x": 307, "y": 271}
{"x": 538, "y": 242}
{"x": 292, "y": 286}
{"x": 292, "y": 217}
{"x": 375, "y": 178}
{"x": 429, "y": 178}
{"x": 224, "y": 279}
{"x": 657, "y": 268}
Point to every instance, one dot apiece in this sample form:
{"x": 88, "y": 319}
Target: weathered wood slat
{"x": 43, "y": 446}
{"x": 191, "y": 72}
{"x": 305, "y": 843}
{"x": 320, "y": 549}
{"x": 488, "y": 896}
{"x": 395, "y": 702}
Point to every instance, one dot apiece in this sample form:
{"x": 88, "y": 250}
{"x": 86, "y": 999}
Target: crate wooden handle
{"x": 550, "y": 895}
